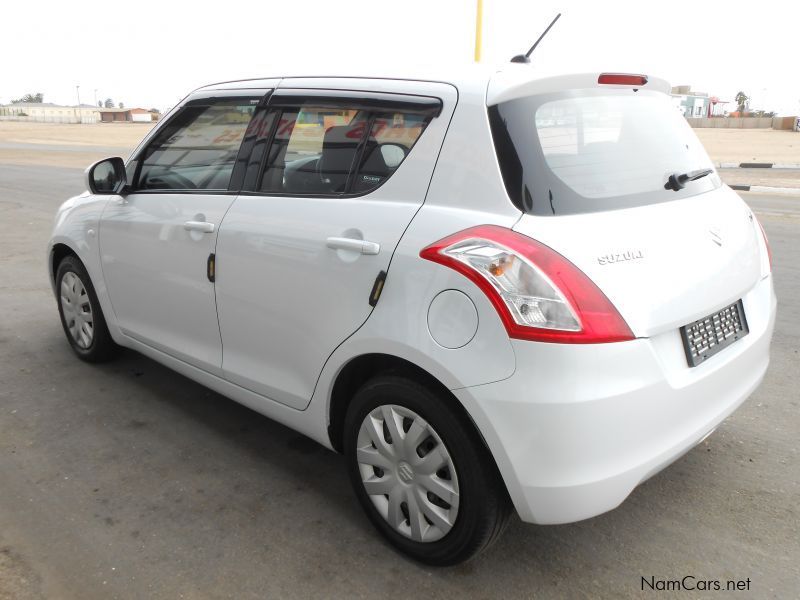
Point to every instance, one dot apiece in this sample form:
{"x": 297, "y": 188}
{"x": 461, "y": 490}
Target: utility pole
{"x": 78, "y": 91}
{"x": 95, "y": 96}
{"x": 478, "y": 30}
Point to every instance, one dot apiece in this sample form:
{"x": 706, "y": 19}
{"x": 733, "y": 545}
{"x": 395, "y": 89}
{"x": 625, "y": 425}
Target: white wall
{"x": 49, "y": 114}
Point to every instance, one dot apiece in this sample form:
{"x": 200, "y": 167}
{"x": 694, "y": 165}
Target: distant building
{"x": 47, "y": 112}
{"x": 697, "y": 104}
{"x": 134, "y": 115}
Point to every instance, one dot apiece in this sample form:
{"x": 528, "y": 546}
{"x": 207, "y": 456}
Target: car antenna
{"x": 525, "y": 58}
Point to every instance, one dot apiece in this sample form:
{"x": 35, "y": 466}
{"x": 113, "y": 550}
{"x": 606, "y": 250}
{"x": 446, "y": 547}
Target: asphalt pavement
{"x": 127, "y": 480}
{"x": 777, "y": 178}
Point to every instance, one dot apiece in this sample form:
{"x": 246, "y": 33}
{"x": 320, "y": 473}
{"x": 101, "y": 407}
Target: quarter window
{"x": 198, "y": 149}
{"x": 390, "y": 139}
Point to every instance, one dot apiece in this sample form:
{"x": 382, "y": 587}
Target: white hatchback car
{"x": 486, "y": 289}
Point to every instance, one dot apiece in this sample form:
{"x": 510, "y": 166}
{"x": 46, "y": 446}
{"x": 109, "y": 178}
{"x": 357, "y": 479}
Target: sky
{"x": 151, "y": 54}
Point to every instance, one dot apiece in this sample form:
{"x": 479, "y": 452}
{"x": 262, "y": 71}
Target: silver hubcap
{"x": 77, "y": 310}
{"x": 408, "y": 473}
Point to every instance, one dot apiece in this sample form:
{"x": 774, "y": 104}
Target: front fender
{"x": 77, "y": 228}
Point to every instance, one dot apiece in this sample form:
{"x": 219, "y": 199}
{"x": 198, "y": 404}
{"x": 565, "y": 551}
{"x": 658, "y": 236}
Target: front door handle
{"x": 362, "y": 246}
{"x": 201, "y": 226}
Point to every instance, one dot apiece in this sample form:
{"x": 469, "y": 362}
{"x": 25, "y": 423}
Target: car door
{"x": 157, "y": 240}
{"x": 340, "y": 175}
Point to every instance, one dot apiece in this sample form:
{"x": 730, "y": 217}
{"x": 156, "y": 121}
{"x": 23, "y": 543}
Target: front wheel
{"x": 80, "y": 312}
{"x": 421, "y": 472}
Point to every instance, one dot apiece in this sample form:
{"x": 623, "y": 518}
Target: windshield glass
{"x": 595, "y": 150}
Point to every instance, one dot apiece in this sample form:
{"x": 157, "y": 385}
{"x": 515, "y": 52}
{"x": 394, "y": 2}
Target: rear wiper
{"x": 677, "y": 181}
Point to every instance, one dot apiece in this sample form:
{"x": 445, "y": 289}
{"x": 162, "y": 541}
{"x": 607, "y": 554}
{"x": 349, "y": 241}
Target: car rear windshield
{"x": 593, "y": 150}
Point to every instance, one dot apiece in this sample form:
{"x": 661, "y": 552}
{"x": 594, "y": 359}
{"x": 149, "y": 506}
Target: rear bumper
{"x": 578, "y": 427}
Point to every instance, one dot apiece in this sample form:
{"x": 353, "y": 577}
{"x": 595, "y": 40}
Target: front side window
{"x": 197, "y": 150}
{"x": 319, "y": 150}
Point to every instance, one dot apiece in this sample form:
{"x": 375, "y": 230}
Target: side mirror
{"x": 106, "y": 176}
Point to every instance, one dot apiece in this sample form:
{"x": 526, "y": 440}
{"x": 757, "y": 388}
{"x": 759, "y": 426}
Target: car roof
{"x": 458, "y": 75}
{"x": 495, "y": 83}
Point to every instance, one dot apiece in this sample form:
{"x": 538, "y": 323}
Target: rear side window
{"x": 320, "y": 150}
{"x": 595, "y": 150}
{"x": 196, "y": 150}
{"x": 313, "y": 151}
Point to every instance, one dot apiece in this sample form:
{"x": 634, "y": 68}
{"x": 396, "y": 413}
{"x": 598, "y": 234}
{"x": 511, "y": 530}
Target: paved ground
{"x": 783, "y": 178}
{"x": 99, "y": 134}
{"x": 130, "y": 481}
{"x": 64, "y": 145}
{"x": 751, "y": 145}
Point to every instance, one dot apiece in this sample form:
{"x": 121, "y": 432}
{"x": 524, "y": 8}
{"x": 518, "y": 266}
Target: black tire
{"x": 484, "y": 506}
{"x": 102, "y": 347}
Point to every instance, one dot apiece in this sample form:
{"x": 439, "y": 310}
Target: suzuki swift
{"x": 489, "y": 291}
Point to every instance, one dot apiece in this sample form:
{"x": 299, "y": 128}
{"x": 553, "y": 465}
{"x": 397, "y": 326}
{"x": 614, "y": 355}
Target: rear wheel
{"x": 81, "y": 315}
{"x": 421, "y": 472}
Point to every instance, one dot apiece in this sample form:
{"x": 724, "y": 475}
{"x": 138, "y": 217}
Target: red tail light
{"x": 622, "y": 79}
{"x": 539, "y": 294}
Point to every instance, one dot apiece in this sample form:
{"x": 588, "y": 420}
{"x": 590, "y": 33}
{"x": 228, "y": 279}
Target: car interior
{"x": 311, "y": 153}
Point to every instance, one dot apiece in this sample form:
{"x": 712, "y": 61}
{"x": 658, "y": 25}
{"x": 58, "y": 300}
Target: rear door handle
{"x": 199, "y": 226}
{"x": 362, "y": 246}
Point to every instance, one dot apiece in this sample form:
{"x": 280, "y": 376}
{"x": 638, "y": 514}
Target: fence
{"x": 744, "y": 122}
{"x": 51, "y": 118}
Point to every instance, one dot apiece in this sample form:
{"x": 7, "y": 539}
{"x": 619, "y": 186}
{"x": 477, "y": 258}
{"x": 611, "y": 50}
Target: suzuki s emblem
{"x": 405, "y": 472}
{"x": 716, "y": 237}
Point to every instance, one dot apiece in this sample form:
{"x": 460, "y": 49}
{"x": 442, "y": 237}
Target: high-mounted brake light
{"x": 539, "y": 294}
{"x": 622, "y": 79}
